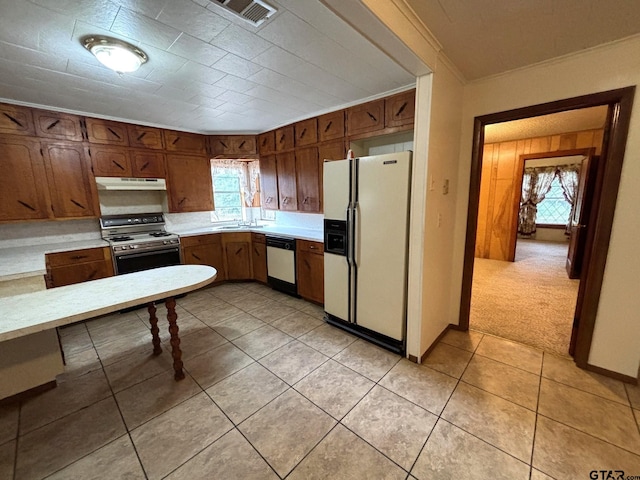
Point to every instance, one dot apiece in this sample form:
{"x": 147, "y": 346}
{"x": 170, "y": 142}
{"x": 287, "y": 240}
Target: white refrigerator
{"x": 366, "y": 231}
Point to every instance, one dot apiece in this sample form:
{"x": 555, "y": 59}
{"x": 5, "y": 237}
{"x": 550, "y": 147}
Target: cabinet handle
{"x": 238, "y": 251}
{"x": 78, "y": 257}
{"x": 92, "y": 274}
{"x": 77, "y": 204}
{"x": 281, "y": 138}
{"x": 264, "y": 142}
{"x": 53, "y": 124}
{"x": 25, "y": 204}
{"x": 182, "y": 200}
{"x": 304, "y": 130}
{"x": 143, "y": 167}
{"x": 224, "y": 145}
{"x": 285, "y": 200}
{"x": 312, "y": 247}
{"x": 372, "y": 117}
{"x": 404, "y": 105}
{"x": 268, "y": 200}
{"x": 13, "y": 119}
{"x": 175, "y": 141}
{"x": 195, "y": 256}
{"x": 305, "y": 201}
{"x": 242, "y": 144}
{"x": 326, "y": 129}
{"x": 141, "y": 136}
{"x": 307, "y": 264}
{"x": 117, "y": 165}
{"x": 255, "y": 250}
{"x": 114, "y": 133}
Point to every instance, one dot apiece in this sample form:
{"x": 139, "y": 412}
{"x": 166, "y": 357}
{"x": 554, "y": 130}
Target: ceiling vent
{"x": 253, "y": 11}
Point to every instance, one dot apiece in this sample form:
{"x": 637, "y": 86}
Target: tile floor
{"x": 273, "y": 392}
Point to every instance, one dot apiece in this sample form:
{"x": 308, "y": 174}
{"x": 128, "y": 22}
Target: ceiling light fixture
{"x": 119, "y": 56}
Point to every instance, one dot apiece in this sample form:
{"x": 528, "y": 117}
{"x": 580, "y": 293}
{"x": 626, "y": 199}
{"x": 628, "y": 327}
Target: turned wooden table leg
{"x": 176, "y": 353}
{"x": 155, "y": 337}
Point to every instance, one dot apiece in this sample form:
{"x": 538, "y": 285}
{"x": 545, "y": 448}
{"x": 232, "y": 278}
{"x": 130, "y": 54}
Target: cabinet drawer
{"x": 258, "y": 238}
{"x": 73, "y": 257}
{"x": 309, "y": 246}
{"x": 191, "y": 241}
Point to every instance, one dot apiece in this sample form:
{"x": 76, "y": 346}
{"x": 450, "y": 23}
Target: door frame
{"x": 620, "y": 102}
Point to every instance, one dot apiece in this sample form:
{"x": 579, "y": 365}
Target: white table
{"x": 33, "y": 313}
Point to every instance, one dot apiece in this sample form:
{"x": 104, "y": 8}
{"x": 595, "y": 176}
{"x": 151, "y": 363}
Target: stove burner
{"x": 121, "y": 238}
{"x": 159, "y": 234}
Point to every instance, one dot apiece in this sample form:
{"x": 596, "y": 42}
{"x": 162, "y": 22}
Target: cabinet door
{"x": 286, "y": 167}
{"x": 266, "y": 143}
{"x": 145, "y": 137}
{"x": 331, "y": 126}
{"x": 16, "y": 120}
{"x": 206, "y": 254}
{"x": 83, "y": 272}
{"x": 269, "y": 182}
{"x": 147, "y": 164}
{"x": 307, "y": 179}
{"x": 61, "y": 126}
{"x": 189, "y": 183}
{"x": 106, "y": 132}
{"x": 335, "y": 150}
{"x": 310, "y": 268}
{"x": 185, "y": 142}
{"x": 110, "y": 161}
{"x": 306, "y": 132}
{"x": 244, "y": 144}
{"x": 71, "y": 187}
{"x": 238, "y": 255}
{"x": 400, "y": 109}
{"x": 284, "y": 138}
{"x": 23, "y": 192}
{"x": 368, "y": 117}
{"x": 259, "y": 258}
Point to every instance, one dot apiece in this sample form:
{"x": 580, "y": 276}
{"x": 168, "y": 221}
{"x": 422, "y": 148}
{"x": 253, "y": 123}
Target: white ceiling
{"x": 208, "y": 70}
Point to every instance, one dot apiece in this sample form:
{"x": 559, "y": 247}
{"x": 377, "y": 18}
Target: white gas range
{"x": 140, "y": 242}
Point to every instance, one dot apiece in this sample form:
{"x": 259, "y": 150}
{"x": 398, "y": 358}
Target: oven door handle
{"x": 146, "y": 254}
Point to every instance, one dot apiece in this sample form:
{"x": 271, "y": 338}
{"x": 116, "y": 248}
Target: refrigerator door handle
{"x": 353, "y": 232}
{"x": 349, "y": 237}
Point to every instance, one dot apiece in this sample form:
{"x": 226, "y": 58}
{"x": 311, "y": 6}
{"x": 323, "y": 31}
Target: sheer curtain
{"x": 536, "y": 183}
{"x": 247, "y": 172}
{"x": 568, "y": 175}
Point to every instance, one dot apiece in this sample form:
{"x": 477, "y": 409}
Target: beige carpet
{"x": 531, "y": 300}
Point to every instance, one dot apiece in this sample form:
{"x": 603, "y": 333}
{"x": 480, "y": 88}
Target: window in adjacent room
{"x": 235, "y": 189}
{"x": 554, "y": 209}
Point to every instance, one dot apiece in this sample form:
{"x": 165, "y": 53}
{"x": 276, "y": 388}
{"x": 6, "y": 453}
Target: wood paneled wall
{"x": 500, "y": 192}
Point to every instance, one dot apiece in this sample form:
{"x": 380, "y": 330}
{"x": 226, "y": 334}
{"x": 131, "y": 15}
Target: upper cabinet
{"x": 147, "y": 164}
{"x": 189, "y": 183}
{"x": 267, "y": 143}
{"x": 285, "y": 138}
{"x": 106, "y": 132}
{"x": 400, "y": 109}
{"x": 331, "y": 126}
{"x": 145, "y": 137}
{"x": 269, "y": 182}
{"x": 233, "y": 145}
{"x": 185, "y": 142}
{"x": 307, "y": 179}
{"x": 110, "y": 161}
{"x": 306, "y": 132}
{"x": 58, "y": 125}
{"x": 286, "y": 164}
{"x": 16, "y": 120}
{"x": 368, "y": 117}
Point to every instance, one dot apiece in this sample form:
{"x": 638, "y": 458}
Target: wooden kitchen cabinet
{"x": 76, "y": 266}
{"x": 145, "y": 137}
{"x": 310, "y": 270}
{"x": 189, "y": 183}
{"x": 23, "y": 192}
{"x": 286, "y": 168}
{"x": 368, "y": 117}
{"x": 259, "y": 256}
{"x": 147, "y": 164}
{"x": 110, "y": 161}
{"x": 16, "y": 120}
{"x": 204, "y": 250}
{"x": 175, "y": 141}
{"x": 400, "y": 109}
{"x": 331, "y": 126}
{"x": 237, "y": 255}
{"x": 71, "y": 186}
{"x": 106, "y": 132}
{"x": 285, "y": 138}
{"x": 267, "y": 143}
{"x": 306, "y": 132}
{"x": 269, "y": 182}
{"x": 58, "y": 125}
{"x": 233, "y": 145}
{"x": 307, "y": 170}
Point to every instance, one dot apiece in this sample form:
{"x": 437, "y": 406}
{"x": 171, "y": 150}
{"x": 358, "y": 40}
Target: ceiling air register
{"x": 253, "y": 11}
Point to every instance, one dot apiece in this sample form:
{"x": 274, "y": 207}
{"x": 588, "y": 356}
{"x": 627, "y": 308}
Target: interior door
{"x": 580, "y": 217}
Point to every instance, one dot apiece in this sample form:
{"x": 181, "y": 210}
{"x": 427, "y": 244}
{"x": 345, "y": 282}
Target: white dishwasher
{"x": 281, "y": 264}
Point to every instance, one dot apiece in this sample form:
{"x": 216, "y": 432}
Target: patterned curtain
{"x": 536, "y": 183}
{"x": 568, "y": 175}
{"x": 247, "y": 172}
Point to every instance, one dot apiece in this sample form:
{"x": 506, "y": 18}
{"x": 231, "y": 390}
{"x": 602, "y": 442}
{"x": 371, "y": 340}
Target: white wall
{"x": 616, "y": 337}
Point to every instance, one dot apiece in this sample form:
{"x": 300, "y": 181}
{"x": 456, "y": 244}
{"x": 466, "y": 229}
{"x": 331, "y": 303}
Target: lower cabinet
{"x": 259, "y": 256}
{"x": 76, "y": 266}
{"x": 204, "y": 250}
{"x": 310, "y": 266}
{"x": 237, "y": 255}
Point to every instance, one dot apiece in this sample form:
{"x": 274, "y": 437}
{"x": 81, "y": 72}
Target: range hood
{"x": 122, "y": 183}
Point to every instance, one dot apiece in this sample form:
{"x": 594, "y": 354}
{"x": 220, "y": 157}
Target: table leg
{"x": 176, "y": 353}
{"x": 155, "y": 337}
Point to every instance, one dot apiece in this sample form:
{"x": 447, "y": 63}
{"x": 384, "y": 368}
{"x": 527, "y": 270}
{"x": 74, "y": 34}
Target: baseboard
{"x": 435, "y": 342}
{"x": 610, "y": 374}
{"x": 18, "y": 397}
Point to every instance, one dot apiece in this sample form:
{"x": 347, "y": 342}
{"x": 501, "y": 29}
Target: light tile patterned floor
{"x": 273, "y": 392}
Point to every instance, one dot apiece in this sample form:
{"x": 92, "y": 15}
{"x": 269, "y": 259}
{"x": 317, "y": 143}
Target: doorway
{"x": 619, "y": 103}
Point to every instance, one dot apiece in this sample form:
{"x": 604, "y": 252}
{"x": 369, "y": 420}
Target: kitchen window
{"x": 235, "y": 189}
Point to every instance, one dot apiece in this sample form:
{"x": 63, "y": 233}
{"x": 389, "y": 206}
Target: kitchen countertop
{"x": 294, "y": 232}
